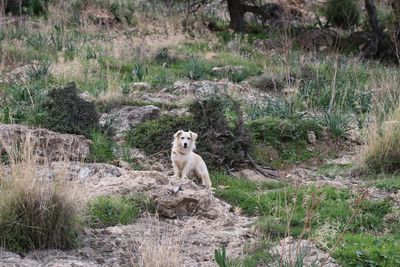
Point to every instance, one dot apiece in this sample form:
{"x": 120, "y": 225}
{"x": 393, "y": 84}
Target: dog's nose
{"x": 184, "y": 145}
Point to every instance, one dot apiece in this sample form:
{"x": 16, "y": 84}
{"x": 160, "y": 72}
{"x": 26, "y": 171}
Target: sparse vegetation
{"x": 287, "y": 93}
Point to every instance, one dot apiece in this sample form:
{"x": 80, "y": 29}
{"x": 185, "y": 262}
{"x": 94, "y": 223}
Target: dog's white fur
{"x": 184, "y": 160}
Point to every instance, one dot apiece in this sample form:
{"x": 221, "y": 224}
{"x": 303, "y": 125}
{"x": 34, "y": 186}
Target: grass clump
{"x": 196, "y": 68}
{"x": 105, "y": 211}
{"x": 68, "y": 113}
{"x": 35, "y": 213}
{"x": 101, "y": 148}
{"x": 382, "y": 153}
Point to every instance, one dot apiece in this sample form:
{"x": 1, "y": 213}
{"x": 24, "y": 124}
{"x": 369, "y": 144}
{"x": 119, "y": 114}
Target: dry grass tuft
{"x": 35, "y": 213}
{"x": 160, "y": 248}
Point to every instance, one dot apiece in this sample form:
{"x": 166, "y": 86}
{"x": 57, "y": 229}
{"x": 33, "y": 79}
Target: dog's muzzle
{"x": 184, "y": 145}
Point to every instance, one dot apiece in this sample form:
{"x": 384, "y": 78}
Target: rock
{"x": 267, "y": 82}
{"x": 289, "y": 250}
{"x": 290, "y": 92}
{"x": 45, "y": 143}
{"x": 204, "y": 222}
{"x": 253, "y": 175}
{"x": 19, "y": 75}
{"x": 354, "y": 136}
{"x": 311, "y": 138}
{"x": 177, "y": 112}
{"x": 223, "y": 71}
{"x": 141, "y": 86}
{"x": 87, "y": 96}
{"x": 157, "y": 166}
{"x": 210, "y": 55}
{"x": 121, "y": 120}
{"x": 189, "y": 90}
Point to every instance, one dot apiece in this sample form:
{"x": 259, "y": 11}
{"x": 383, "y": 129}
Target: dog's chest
{"x": 179, "y": 160}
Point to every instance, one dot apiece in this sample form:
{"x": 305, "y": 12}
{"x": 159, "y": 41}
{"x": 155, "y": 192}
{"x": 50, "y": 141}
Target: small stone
{"x": 157, "y": 167}
{"x": 141, "y": 86}
{"x": 311, "y": 138}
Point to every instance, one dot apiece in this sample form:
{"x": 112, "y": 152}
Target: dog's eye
{"x": 182, "y": 138}
{"x": 188, "y": 138}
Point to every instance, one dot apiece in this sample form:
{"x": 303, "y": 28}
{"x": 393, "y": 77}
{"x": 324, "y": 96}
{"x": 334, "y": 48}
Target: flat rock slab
{"x": 45, "y": 143}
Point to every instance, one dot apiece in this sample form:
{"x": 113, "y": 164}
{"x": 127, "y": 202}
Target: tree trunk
{"x": 236, "y": 13}
{"x": 372, "y": 48}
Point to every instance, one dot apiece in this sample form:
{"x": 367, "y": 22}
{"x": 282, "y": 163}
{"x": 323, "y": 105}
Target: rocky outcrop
{"x": 200, "y": 89}
{"x": 121, "y": 120}
{"x": 190, "y": 222}
{"x": 45, "y": 143}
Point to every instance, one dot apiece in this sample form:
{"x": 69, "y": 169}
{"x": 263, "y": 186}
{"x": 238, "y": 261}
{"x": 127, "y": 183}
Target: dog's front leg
{"x": 185, "y": 171}
{"x": 177, "y": 172}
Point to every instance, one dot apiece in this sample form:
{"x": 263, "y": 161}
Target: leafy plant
{"x": 337, "y": 123}
{"x": 140, "y": 72}
{"x": 196, "y": 68}
{"x": 37, "y": 41}
{"x": 40, "y": 71}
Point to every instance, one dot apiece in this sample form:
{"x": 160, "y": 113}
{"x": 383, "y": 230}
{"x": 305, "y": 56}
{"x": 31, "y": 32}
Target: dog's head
{"x": 185, "y": 140}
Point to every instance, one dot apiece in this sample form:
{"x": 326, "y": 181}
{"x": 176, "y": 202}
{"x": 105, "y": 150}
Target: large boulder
{"x": 45, "y": 143}
{"x": 120, "y": 120}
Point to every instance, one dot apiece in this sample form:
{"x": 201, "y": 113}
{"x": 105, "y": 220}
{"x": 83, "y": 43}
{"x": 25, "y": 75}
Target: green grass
{"x": 272, "y": 200}
{"x": 367, "y": 250}
{"x": 389, "y": 184}
{"x": 102, "y": 147}
{"x": 105, "y": 211}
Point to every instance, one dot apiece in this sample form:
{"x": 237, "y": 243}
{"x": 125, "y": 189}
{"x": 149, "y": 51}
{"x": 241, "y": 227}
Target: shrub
{"x": 343, "y": 13}
{"x": 274, "y": 130}
{"x": 35, "y": 213}
{"x": 220, "y": 142}
{"x": 156, "y": 135}
{"x": 68, "y": 113}
{"x": 105, "y": 211}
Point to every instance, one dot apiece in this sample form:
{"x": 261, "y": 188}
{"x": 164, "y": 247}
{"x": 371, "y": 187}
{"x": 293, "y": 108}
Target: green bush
{"x": 105, "y": 211}
{"x": 156, "y": 135}
{"x": 68, "y": 113}
{"x": 274, "y": 130}
{"x": 220, "y": 142}
{"x": 343, "y": 13}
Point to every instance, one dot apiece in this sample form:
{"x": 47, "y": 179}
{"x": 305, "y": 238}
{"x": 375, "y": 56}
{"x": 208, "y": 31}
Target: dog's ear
{"x": 178, "y": 133}
{"x": 193, "y": 135}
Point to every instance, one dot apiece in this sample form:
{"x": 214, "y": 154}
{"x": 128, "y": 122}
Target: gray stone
{"x": 121, "y": 120}
{"x": 46, "y": 144}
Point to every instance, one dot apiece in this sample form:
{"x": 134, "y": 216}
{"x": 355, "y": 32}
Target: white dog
{"x": 184, "y": 160}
